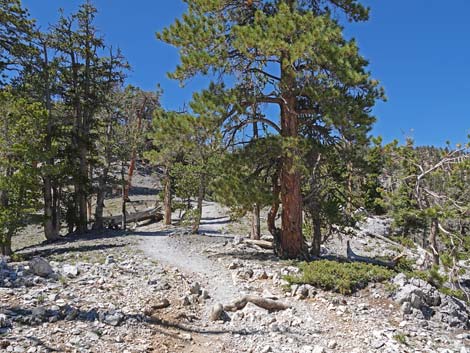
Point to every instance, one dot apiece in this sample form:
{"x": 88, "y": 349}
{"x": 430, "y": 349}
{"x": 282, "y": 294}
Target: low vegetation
{"x": 342, "y": 277}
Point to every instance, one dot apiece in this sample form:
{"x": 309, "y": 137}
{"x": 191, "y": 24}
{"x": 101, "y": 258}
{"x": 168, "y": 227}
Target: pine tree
{"x": 16, "y": 32}
{"x": 22, "y": 133}
{"x": 294, "y": 53}
{"x": 87, "y": 81}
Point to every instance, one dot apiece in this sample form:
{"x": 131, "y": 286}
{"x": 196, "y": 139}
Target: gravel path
{"x": 177, "y": 251}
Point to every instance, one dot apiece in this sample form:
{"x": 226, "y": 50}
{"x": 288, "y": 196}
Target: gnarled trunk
{"x": 167, "y": 196}
{"x": 51, "y": 213}
{"x": 5, "y": 245}
{"x": 81, "y": 192}
{"x": 433, "y": 241}
{"x": 272, "y": 214}
{"x": 100, "y": 196}
{"x": 200, "y": 199}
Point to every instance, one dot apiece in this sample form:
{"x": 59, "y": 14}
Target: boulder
{"x": 40, "y": 267}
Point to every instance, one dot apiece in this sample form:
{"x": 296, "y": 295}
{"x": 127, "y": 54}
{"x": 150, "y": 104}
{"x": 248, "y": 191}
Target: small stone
{"x": 406, "y": 308}
{"x": 263, "y": 275}
{"x": 266, "y": 349}
{"x": 185, "y": 301}
{"x": 234, "y": 265}
{"x": 195, "y": 288}
{"x": 186, "y": 336}
{"x": 245, "y": 274}
{"x": 302, "y": 292}
{"x": 205, "y": 294}
{"x": 332, "y": 344}
{"x": 4, "y": 322}
{"x": 217, "y": 312}
{"x": 109, "y": 260}
{"x": 113, "y": 319}
{"x": 318, "y": 349}
{"x": 70, "y": 270}
{"x": 39, "y": 313}
{"x": 93, "y": 336}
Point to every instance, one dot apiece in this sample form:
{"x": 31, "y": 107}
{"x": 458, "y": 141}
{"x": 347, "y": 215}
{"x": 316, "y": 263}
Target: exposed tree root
{"x": 268, "y": 304}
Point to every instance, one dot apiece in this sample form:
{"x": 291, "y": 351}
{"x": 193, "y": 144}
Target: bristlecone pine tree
{"x": 295, "y": 57}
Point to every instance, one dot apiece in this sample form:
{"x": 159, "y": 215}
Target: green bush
{"x": 344, "y": 278}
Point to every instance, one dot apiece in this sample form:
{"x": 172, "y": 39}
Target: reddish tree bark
{"x": 292, "y": 243}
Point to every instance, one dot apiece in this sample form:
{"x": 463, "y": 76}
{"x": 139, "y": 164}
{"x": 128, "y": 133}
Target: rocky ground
{"x": 155, "y": 290}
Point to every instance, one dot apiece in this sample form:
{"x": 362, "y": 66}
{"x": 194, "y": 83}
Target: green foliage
{"x": 16, "y": 31}
{"x": 246, "y": 173}
{"x": 426, "y": 191}
{"x": 22, "y": 131}
{"x": 400, "y": 338}
{"x": 344, "y": 278}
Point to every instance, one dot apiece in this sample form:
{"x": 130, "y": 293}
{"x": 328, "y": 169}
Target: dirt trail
{"x": 176, "y": 251}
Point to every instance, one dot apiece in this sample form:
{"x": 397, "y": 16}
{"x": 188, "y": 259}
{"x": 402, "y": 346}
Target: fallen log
{"x": 150, "y": 215}
{"x": 268, "y": 304}
{"x": 351, "y": 256}
{"x": 264, "y": 244}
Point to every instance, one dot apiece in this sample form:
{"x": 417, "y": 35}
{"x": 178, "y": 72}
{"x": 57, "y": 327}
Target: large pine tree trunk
{"x": 255, "y": 220}
{"x": 51, "y": 202}
{"x": 200, "y": 199}
{"x": 291, "y": 242}
{"x": 167, "y": 196}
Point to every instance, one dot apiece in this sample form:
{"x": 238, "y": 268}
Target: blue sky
{"x": 419, "y": 50}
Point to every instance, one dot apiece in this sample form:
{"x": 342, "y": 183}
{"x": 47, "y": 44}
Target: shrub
{"x": 344, "y": 278}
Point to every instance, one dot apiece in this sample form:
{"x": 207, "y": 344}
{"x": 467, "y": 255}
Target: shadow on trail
{"x": 205, "y": 222}
{"x": 260, "y": 256}
{"x": 46, "y": 252}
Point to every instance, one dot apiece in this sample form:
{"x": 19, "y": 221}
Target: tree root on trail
{"x": 268, "y": 304}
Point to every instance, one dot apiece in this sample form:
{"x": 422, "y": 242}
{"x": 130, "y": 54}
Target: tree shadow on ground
{"x": 50, "y": 251}
{"x": 243, "y": 255}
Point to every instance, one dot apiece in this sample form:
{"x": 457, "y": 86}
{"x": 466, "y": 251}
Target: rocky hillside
{"x": 163, "y": 290}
